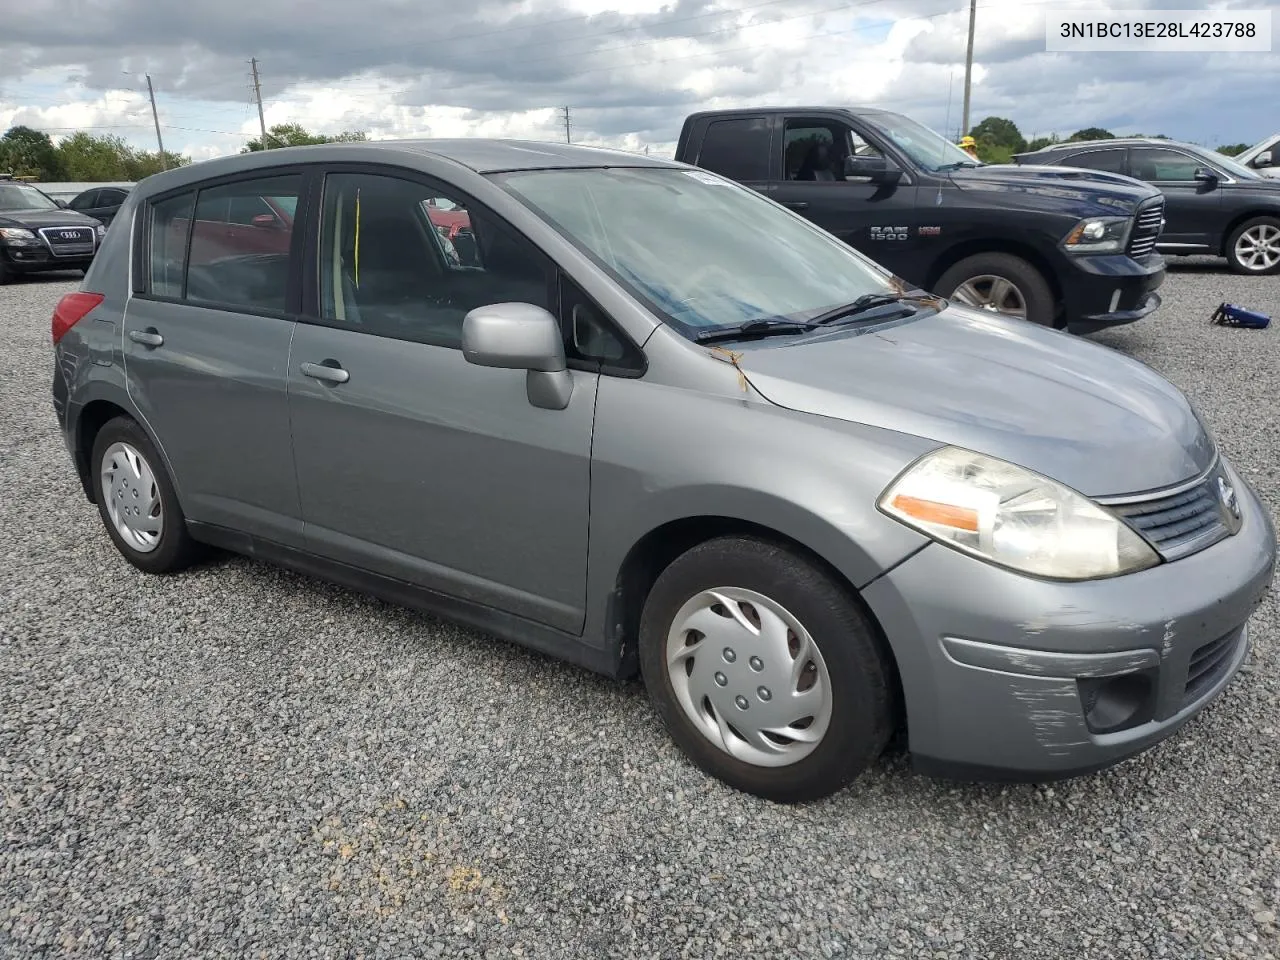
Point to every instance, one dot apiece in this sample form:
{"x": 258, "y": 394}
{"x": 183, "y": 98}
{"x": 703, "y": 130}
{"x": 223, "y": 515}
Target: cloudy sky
{"x": 630, "y": 70}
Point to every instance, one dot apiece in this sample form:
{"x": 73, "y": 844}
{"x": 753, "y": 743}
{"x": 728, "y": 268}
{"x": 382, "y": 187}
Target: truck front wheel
{"x": 1002, "y": 283}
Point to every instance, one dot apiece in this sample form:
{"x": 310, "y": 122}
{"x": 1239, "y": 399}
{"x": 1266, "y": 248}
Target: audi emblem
{"x": 69, "y": 234}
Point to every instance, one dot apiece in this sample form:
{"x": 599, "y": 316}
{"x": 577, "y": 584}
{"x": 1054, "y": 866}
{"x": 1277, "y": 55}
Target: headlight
{"x": 1098, "y": 235}
{"x": 1012, "y": 517}
{"x": 16, "y": 233}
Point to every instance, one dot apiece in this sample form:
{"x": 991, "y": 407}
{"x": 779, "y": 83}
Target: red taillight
{"x": 71, "y": 309}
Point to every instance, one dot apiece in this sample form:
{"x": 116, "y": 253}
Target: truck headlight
{"x": 1014, "y": 518}
{"x": 1098, "y": 235}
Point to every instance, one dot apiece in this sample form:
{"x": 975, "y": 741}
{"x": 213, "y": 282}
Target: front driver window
{"x": 401, "y": 259}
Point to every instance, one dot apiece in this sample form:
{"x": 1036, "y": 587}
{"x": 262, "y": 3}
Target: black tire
{"x": 5, "y": 274}
{"x": 175, "y": 550}
{"x": 863, "y": 704}
{"x": 1233, "y": 260}
{"x": 1031, "y": 284}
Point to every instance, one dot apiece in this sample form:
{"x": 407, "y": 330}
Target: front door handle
{"x": 796, "y": 204}
{"x": 329, "y": 371}
{"x": 149, "y": 337}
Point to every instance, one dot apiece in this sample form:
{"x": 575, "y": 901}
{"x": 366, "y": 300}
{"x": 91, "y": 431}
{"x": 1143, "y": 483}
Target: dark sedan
{"x": 101, "y": 203}
{"x": 1213, "y": 205}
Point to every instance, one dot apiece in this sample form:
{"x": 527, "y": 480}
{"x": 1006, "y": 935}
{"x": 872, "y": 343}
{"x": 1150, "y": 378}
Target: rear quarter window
{"x": 737, "y": 148}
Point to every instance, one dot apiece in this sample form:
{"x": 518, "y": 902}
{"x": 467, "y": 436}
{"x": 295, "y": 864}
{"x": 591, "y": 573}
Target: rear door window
{"x": 240, "y": 244}
{"x": 1110, "y": 161}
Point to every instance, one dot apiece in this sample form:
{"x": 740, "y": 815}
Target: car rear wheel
{"x": 1001, "y": 283}
{"x": 137, "y": 502}
{"x": 764, "y": 670}
{"x": 1254, "y": 247}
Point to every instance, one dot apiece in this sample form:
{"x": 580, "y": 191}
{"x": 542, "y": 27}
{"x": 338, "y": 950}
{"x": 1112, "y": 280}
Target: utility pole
{"x": 164, "y": 165}
{"x": 968, "y": 66}
{"x": 567, "y": 124}
{"x": 257, "y": 95}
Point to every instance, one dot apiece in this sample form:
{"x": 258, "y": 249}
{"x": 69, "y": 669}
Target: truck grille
{"x": 68, "y": 241}
{"x": 1181, "y": 522}
{"x": 1147, "y": 225}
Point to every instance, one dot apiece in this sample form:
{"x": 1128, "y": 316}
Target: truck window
{"x": 737, "y": 148}
{"x": 815, "y": 149}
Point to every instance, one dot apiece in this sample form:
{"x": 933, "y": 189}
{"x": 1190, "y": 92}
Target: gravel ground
{"x": 244, "y": 762}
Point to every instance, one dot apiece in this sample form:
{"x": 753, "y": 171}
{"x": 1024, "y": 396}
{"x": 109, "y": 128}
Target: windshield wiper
{"x": 765, "y": 327}
{"x": 864, "y": 303}
{"x": 958, "y": 165}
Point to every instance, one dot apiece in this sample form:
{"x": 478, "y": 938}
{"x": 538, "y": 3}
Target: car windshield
{"x": 20, "y": 196}
{"x": 1229, "y": 164}
{"x": 930, "y": 150}
{"x": 702, "y": 251}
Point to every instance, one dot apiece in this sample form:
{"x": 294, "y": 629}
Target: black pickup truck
{"x": 1074, "y": 249}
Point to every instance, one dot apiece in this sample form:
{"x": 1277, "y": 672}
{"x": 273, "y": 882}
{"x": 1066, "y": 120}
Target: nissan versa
{"x": 650, "y": 421}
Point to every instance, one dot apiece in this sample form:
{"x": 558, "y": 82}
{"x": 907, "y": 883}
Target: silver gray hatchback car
{"x": 645, "y": 419}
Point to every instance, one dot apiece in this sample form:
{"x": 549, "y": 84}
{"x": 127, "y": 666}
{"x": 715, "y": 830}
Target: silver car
{"x": 649, "y": 421}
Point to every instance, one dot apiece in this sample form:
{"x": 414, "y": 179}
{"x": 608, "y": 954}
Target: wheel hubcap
{"x": 1258, "y": 248}
{"x": 996, "y": 294}
{"x": 132, "y": 497}
{"x": 749, "y": 676}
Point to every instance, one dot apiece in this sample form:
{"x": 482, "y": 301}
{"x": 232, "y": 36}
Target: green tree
{"x": 1091, "y": 133}
{"x": 25, "y": 152}
{"x": 999, "y": 132}
{"x": 89, "y": 158}
{"x": 83, "y": 156}
{"x": 295, "y": 135}
{"x": 1233, "y": 149}
{"x": 1039, "y": 143}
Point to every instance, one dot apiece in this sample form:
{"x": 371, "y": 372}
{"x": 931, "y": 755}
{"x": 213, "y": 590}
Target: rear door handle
{"x": 149, "y": 337}
{"x": 329, "y": 372}
{"x": 796, "y": 204}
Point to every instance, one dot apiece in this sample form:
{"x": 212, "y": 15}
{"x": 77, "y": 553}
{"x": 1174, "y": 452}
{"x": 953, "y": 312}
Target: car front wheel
{"x": 764, "y": 670}
{"x": 1001, "y": 283}
{"x": 1254, "y": 247}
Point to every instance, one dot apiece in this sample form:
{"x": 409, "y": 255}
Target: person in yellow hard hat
{"x": 969, "y": 146}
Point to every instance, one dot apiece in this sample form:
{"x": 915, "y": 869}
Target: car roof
{"x": 1113, "y": 142}
{"x": 801, "y": 108}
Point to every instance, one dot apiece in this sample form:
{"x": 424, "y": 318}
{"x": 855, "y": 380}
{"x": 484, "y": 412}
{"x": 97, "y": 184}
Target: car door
{"x": 206, "y": 346}
{"x": 1193, "y": 208}
{"x": 877, "y": 219}
{"x": 413, "y": 463}
{"x": 108, "y": 203}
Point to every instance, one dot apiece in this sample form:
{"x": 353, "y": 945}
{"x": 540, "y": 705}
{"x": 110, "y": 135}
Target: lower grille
{"x": 1208, "y": 664}
{"x": 1147, "y": 226}
{"x": 68, "y": 241}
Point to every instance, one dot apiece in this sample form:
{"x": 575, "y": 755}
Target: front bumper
{"x": 39, "y": 259}
{"x": 1108, "y": 291}
{"x": 998, "y": 669}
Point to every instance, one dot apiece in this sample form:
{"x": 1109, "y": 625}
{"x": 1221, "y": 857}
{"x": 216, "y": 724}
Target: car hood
{"x": 1078, "y": 412}
{"x": 1106, "y": 191}
{"x": 34, "y": 219}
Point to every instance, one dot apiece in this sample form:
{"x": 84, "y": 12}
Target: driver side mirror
{"x": 1261, "y": 160}
{"x": 62, "y": 203}
{"x": 521, "y": 336}
{"x": 1205, "y": 175}
{"x": 266, "y": 220}
{"x": 874, "y": 168}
